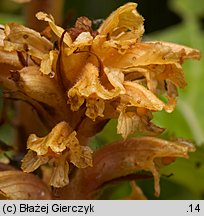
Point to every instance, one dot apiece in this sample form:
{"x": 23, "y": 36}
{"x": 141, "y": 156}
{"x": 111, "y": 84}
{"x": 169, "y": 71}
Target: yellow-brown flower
{"x": 115, "y": 65}
{"x": 110, "y": 70}
{"x": 59, "y": 148}
{"x": 103, "y": 74}
{"x": 76, "y": 80}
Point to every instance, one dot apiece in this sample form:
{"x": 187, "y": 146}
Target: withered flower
{"x": 120, "y": 67}
{"x": 58, "y": 148}
{"x": 79, "y": 79}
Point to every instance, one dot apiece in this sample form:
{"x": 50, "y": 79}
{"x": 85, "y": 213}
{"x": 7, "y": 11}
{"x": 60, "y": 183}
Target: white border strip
{"x": 102, "y": 208}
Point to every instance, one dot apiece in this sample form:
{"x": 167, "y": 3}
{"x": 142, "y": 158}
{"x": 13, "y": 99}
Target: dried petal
{"x": 122, "y": 21}
{"x": 89, "y": 84}
{"x": 57, "y": 140}
{"x": 89, "y": 87}
{"x": 81, "y": 157}
{"x": 116, "y": 78}
{"x": 17, "y": 185}
{"x": 58, "y": 148}
{"x": 137, "y": 95}
{"x": 32, "y": 161}
{"x": 130, "y": 122}
{"x": 56, "y": 29}
{"x": 172, "y": 93}
{"x": 95, "y": 108}
{"x": 22, "y": 39}
{"x": 150, "y": 53}
{"x": 75, "y": 99}
{"x": 174, "y": 73}
{"x": 83, "y": 40}
{"x": 59, "y": 177}
{"x": 7, "y": 58}
{"x": 48, "y": 60}
{"x": 183, "y": 51}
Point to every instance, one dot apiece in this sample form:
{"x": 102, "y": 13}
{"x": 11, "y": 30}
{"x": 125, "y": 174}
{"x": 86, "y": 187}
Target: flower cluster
{"x": 113, "y": 71}
{"x": 78, "y": 79}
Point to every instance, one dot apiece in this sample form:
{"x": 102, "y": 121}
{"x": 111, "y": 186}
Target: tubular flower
{"x": 117, "y": 65}
{"x": 59, "y": 148}
{"x": 96, "y": 72}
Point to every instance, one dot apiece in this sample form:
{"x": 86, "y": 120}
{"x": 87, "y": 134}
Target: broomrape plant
{"x": 77, "y": 80}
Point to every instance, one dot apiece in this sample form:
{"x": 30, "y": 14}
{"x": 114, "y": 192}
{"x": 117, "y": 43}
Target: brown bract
{"x": 17, "y": 185}
{"x": 117, "y": 160}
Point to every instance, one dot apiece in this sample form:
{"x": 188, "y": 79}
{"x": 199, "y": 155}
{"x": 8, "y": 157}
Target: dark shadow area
{"x": 156, "y": 13}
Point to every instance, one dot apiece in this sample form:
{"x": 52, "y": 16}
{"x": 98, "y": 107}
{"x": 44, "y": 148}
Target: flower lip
{"x": 58, "y": 148}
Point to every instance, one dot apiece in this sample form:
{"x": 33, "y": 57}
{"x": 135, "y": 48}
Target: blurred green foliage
{"x": 10, "y": 12}
{"x": 187, "y": 121}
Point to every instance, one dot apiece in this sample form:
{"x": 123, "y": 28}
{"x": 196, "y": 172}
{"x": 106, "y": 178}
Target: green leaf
{"x": 108, "y": 135}
{"x": 116, "y": 191}
{"x": 7, "y": 18}
{"x": 170, "y": 190}
{"x": 187, "y": 7}
{"x": 189, "y": 173}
